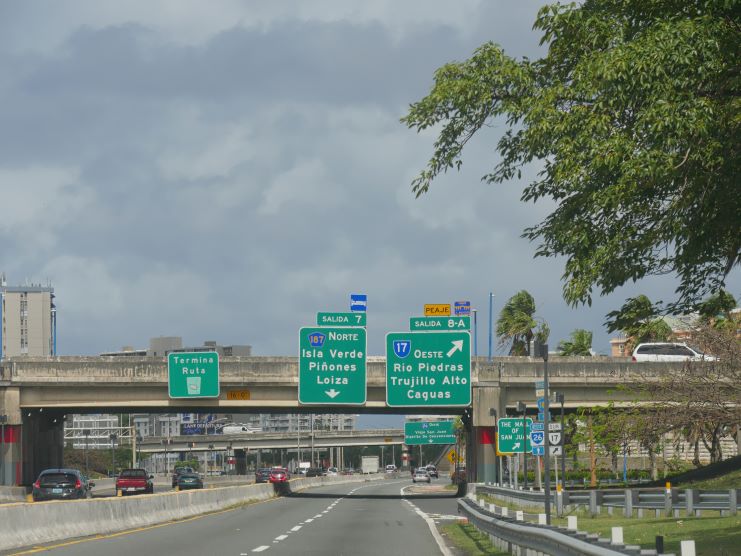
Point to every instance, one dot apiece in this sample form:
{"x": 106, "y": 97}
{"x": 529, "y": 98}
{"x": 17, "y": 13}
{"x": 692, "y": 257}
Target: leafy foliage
{"x": 580, "y": 343}
{"x": 516, "y": 323}
{"x": 634, "y": 117}
{"x": 638, "y": 318}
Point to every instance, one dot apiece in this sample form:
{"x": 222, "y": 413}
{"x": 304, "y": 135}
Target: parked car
{"x": 421, "y": 475}
{"x": 668, "y": 351}
{"x": 432, "y": 471}
{"x": 61, "y": 484}
{"x": 262, "y": 475}
{"x": 134, "y": 481}
{"x": 332, "y": 471}
{"x": 189, "y": 480}
{"x": 391, "y": 469}
{"x": 178, "y": 471}
{"x": 314, "y": 472}
{"x": 279, "y": 475}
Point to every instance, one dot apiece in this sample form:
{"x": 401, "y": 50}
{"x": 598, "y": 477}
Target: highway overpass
{"x": 36, "y": 393}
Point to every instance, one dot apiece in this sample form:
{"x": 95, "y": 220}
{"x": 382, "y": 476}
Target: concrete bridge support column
{"x": 42, "y": 441}
{"x": 240, "y": 466}
{"x": 487, "y": 405}
{"x": 10, "y": 436}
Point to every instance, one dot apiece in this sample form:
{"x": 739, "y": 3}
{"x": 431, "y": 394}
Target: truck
{"x": 134, "y": 481}
{"x": 369, "y": 464}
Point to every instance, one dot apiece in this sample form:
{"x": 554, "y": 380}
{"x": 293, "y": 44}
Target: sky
{"x": 225, "y": 170}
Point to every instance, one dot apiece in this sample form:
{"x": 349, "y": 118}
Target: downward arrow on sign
{"x": 332, "y": 393}
{"x": 457, "y": 346}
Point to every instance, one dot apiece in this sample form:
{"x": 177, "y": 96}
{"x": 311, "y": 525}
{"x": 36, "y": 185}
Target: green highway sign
{"x": 331, "y": 365}
{"x": 429, "y": 432}
{"x": 193, "y": 375}
{"x": 511, "y": 435}
{"x": 340, "y": 319}
{"x": 440, "y": 323}
{"x": 428, "y": 369}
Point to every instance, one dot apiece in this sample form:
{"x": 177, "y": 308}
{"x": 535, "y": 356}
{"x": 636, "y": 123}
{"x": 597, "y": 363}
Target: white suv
{"x": 668, "y": 351}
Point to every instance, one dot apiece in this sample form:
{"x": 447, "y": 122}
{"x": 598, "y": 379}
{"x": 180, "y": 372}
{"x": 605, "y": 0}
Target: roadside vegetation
{"x": 469, "y": 541}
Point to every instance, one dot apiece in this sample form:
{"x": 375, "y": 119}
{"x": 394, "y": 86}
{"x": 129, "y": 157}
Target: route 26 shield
{"x": 402, "y": 348}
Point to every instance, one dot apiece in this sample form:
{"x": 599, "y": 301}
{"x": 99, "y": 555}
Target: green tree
{"x": 633, "y": 117}
{"x": 639, "y": 319}
{"x": 716, "y": 311}
{"x": 516, "y": 323}
{"x": 579, "y": 344}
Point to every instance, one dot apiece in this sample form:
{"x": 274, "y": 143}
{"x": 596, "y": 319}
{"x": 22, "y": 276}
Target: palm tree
{"x": 580, "y": 343}
{"x": 516, "y": 323}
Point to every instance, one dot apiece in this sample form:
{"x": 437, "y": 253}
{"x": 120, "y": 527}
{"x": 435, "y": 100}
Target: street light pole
{"x": 475, "y": 333}
{"x": 543, "y": 348}
{"x": 86, "y": 434}
{"x": 491, "y": 305}
{"x": 113, "y": 452}
{"x": 560, "y": 398}
{"x": 522, "y": 407}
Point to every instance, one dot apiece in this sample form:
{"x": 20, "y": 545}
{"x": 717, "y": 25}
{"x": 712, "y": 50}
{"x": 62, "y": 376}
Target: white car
{"x": 332, "y": 472}
{"x": 668, "y": 351}
{"x": 390, "y": 469}
{"x": 421, "y": 475}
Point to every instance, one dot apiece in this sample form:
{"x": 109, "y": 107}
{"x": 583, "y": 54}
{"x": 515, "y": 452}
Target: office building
{"x": 28, "y": 324}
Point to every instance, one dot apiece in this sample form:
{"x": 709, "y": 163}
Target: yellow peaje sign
{"x": 437, "y": 310}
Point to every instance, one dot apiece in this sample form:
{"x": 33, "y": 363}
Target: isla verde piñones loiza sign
{"x": 332, "y": 365}
{"x": 428, "y": 369}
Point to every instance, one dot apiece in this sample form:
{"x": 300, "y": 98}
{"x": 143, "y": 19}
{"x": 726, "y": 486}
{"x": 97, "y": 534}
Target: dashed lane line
{"x": 262, "y": 548}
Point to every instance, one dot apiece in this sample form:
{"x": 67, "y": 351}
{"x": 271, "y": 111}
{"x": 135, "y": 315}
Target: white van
{"x": 390, "y": 469}
{"x": 668, "y": 351}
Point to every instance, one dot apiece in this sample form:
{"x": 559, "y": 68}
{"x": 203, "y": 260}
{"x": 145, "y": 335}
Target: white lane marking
{"x": 260, "y": 548}
{"x": 309, "y": 520}
{"x": 281, "y": 537}
{"x": 317, "y": 515}
{"x": 325, "y": 512}
{"x": 431, "y": 524}
{"x": 294, "y": 529}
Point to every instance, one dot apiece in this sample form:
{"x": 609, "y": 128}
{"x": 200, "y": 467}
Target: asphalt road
{"x": 359, "y": 519}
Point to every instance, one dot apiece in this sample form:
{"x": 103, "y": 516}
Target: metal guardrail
{"x": 540, "y": 538}
{"x": 690, "y": 500}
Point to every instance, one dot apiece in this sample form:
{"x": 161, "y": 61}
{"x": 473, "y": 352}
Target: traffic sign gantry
{"x": 341, "y": 319}
{"x": 332, "y": 366}
{"x": 510, "y": 435}
{"x": 193, "y": 375}
{"x": 427, "y": 369}
{"x": 440, "y": 323}
{"x": 429, "y": 432}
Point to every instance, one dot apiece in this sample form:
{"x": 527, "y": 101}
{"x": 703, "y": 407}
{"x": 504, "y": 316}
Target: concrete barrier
{"x": 26, "y": 524}
{"x": 12, "y": 494}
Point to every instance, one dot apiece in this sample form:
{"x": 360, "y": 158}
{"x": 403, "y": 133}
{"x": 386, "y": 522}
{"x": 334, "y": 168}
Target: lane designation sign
{"x": 428, "y": 369}
{"x": 332, "y": 366}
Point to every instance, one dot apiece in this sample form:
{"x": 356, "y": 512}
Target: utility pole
{"x": 543, "y": 349}
{"x": 491, "y": 305}
{"x": 522, "y": 407}
{"x": 113, "y": 452}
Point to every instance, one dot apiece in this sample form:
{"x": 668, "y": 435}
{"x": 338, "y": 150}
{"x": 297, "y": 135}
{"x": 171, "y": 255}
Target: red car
{"x": 134, "y": 481}
{"x": 278, "y": 475}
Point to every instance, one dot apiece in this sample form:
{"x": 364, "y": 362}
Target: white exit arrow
{"x": 332, "y": 393}
{"x": 457, "y": 346}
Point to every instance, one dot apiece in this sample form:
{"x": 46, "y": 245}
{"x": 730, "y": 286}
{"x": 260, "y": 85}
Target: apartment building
{"x": 28, "y": 324}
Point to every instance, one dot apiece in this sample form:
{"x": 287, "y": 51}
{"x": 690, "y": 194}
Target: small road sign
{"x": 537, "y": 426}
{"x": 462, "y": 308}
{"x": 439, "y": 323}
{"x": 332, "y": 366}
{"x": 554, "y": 438}
{"x": 556, "y": 450}
{"x": 240, "y": 395}
{"x": 341, "y": 319}
{"x": 541, "y": 404}
{"x": 429, "y": 432}
{"x": 537, "y": 438}
{"x": 454, "y": 457}
{"x": 538, "y": 450}
{"x": 437, "y": 310}
{"x": 426, "y": 369}
{"x": 511, "y": 434}
{"x": 193, "y": 374}
{"x": 554, "y": 426}
{"x": 358, "y": 302}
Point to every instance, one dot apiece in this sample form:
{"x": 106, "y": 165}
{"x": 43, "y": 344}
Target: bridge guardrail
{"x": 690, "y": 500}
{"x": 539, "y": 538}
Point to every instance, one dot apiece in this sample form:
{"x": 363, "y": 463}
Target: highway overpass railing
{"x": 632, "y": 501}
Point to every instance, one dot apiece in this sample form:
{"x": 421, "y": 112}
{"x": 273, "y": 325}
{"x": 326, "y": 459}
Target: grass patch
{"x": 451, "y": 487}
{"x": 470, "y": 540}
{"x": 713, "y": 536}
{"x": 729, "y": 480}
